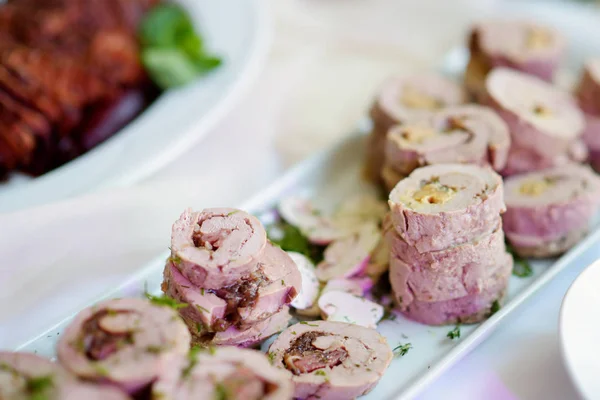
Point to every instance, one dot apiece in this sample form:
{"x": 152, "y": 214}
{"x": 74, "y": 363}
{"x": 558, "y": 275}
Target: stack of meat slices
{"x": 545, "y": 123}
{"x": 461, "y": 134}
{"x": 448, "y": 261}
{"x": 402, "y": 100}
{"x": 237, "y": 285}
{"x": 588, "y": 95}
{"x": 70, "y": 76}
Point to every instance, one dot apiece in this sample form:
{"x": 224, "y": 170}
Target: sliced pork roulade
{"x": 123, "y": 342}
{"x": 549, "y": 211}
{"x": 540, "y": 117}
{"x": 525, "y": 160}
{"x": 28, "y": 376}
{"x": 588, "y": 95}
{"x": 223, "y": 373}
{"x": 404, "y": 99}
{"x": 520, "y": 45}
{"x": 331, "y": 360}
{"x": 462, "y": 134}
{"x": 443, "y": 205}
{"x": 254, "y": 298}
{"x": 218, "y": 246}
{"x": 471, "y": 308}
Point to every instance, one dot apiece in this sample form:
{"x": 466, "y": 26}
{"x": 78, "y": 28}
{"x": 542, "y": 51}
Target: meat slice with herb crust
{"x": 28, "y": 376}
{"x": 331, "y": 360}
{"x": 217, "y": 247}
{"x": 123, "y": 342}
{"x": 443, "y": 205}
{"x": 223, "y": 373}
{"x": 254, "y": 298}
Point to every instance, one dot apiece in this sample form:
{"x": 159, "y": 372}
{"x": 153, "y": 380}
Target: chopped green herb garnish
{"x": 306, "y": 323}
{"x": 165, "y": 301}
{"x": 522, "y": 267}
{"x": 454, "y": 333}
{"x": 36, "y": 386}
{"x": 271, "y": 356}
{"x": 402, "y": 349}
{"x": 321, "y": 372}
{"x": 199, "y": 327}
{"x": 172, "y": 52}
{"x": 294, "y": 333}
{"x": 202, "y": 291}
{"x": 291, "y": 239}
{"x": 212, "y": 350}
{"x": 192, "y": 360}
{"x": 495, "y": 307}
{"x": 201, "y": 309}
{"x": 232, "y": 212}
{"x": 101, "y": 370}
{"x": 154, "y": 349}
{"x": 221, "y": 392}
{"x": 174, "y": 259}
{"x": 283, "y": 282}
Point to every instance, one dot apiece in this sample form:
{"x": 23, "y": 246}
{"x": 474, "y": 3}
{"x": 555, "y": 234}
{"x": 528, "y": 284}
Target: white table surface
{"x": 327, "y": 59}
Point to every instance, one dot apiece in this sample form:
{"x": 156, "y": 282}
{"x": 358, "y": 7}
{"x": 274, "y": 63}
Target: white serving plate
{"x": 329, "y": 178}
{"x": 174, "y": 122}
{"x": 579, "y": 329}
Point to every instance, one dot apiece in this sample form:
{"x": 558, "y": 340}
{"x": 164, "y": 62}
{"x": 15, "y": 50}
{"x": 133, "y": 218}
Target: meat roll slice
{"x": 274, "y": 284}
{"x": 549, "y": 211}
{"x": 462, "y": 134}
{"x": 536, "y": 112}
{"x": 468, "y": 309}
{"x": 223, "y": 373}
{"x": 123, "y": 342}
{"x": 28, "y": 376}
{"x": 588, "y": 95}
{"x": 446, "y": 274}
{"x": 525, "y": 46}
{"x": 525, "y": 160}
{"x": 331, "y": 360}
{"x": 241, "y": 338}
{"x": 444, "y": 205}
{"x": 218, "y": 246}
{"x": 404, "y": 99}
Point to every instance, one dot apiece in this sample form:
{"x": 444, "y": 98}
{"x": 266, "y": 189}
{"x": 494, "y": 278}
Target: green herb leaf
{"x": 522, "y": 267}
{"x": 320, "y": 372}
{"x": 271, "y": 356}
{"x": 291, "y": 239}
{"x": 495, "y": 307}
{"x": 221, "y": 392}
{"x": 165, "y": 301}
{"x": 454, "y": 333}
{"x": 402, "y": 349}
{"x": 192, "y": 361}
{"x": 167, "y": 25}
{"x": 309, "y": 324}
{"x": 36, "y": 386}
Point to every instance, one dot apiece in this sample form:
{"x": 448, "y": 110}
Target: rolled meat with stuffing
{"x": 444, "y": 205}
{"x": 28, "y": 376}
{"x": 217, "y": 247}
{"x": 525, "y": 160}
{"x": 463, "y": 134}
{"x": 549, "y": 211}
{"x": 223, "y": 373}
{"x": 446, "y": 274}
{"x": 331, "y": 360}
{"x": 521, "y": 45}
{"x": 588, "y": 95}
{"x": 540, "y": 117}
{"x": 472, "y": 308}
{"x": 123, "y": 342}
{"x": 405, "y": 99}
{"x": 273, "y": 284}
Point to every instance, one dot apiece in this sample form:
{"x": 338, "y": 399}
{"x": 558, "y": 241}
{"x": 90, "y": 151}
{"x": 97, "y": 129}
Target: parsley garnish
{"x": 454, "y": 333}
{"x": 522, "y": 267}
{"x": 165, "y": 301}
{"x": 232, "y": 212}
{"x": 193, "y": 360}
{"x": 495, "y": 307}
{"x": 154, "y": 349}
{"x": 402, "y": 349}
{"x": 271, "y": 356}
{"x": 306, "y": 323}
{"x": 202, "y": 291}
{"x": 320, "y": 372}
{"x": 221, "y": 392}
{"x": 175, "y": 259}
{"x": 101, "y": 370}
{"x": 199, "y": 327}
{"x": 201, "y": 309}
{"x": 36, "y": 386}
{"x": 291, "y": 239}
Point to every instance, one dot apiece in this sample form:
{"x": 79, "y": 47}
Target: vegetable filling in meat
{"x": 102, "y": 336}
{"x": 214, "y": 232}
{"x": 244, "y": 384}
{"x": 304, "y": 357}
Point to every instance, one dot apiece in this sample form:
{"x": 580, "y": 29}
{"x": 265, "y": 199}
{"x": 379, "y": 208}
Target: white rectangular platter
{"x": 329, "y": 178}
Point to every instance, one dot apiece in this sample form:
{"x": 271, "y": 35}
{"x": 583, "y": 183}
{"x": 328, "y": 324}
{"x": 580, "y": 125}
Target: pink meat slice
{"x": 331, "y": 360}
{"x": 566, "y": 202}
{"x": 461, "y": 134}
{"x": 525, "y": 160}
{"x": 468, "y": 309}
{"x": 447, "y": 274}
{"x": 277, "y": 283}
{"x": 123, "y": 342}
{"x": 535, "y": 112}
{"x": 588, "y": 90}
{"x": 224, "y": 372}
{"x": 218, "y": 246}
{"x": 471, "y": 212}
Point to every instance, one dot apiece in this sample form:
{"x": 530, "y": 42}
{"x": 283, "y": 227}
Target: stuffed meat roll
{"x": 521, "y": 45}
{"x": 540, "y": 117}
{"x": 462, "y": 134}
{"x": 217, "y": 247}
{"x": 444, "y": 205}
{"x": 331, "y": 360}
{"x": 123, "y": 342}
{"x": 549, "y": 211}
{"x": 28, "y": 376}
{"x": 588, "y": 95}
{"x": 223, "y": 373}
